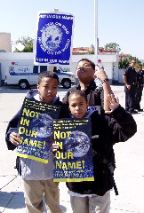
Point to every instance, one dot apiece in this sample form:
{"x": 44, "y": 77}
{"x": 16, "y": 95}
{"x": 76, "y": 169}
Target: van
{"x": 25, "y": 74}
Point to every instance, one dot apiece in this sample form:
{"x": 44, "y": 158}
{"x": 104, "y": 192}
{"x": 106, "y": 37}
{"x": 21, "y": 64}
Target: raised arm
{"x": 107, "y": 91}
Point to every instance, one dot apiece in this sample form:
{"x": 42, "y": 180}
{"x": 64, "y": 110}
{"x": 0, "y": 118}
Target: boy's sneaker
{"x": 140, "y": 110}
{"x": 133, "y": 112}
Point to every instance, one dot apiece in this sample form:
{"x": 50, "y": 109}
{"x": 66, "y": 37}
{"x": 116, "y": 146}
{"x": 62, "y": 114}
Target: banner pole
{"x": 96, "y": 28}
{"x": 52, "y": 67}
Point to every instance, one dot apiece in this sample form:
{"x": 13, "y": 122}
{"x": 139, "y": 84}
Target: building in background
{"x": 5, "y": 42}
{"x": 109, "y": 60}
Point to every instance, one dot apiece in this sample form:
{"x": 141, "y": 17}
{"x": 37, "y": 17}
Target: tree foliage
{"x": 112, "y": 46}
{"x": 27, "y": 43}
{"x": 124, "y": 60}
{"x": 91, "y": 49}
{"x": 123, "y": 63}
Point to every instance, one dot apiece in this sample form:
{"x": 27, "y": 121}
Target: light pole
{"x": 96, "y": 28}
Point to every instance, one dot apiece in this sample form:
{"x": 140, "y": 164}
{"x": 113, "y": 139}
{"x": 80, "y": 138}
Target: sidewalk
{"x": 129, "y": 175}
{"x": 12, "y": 199}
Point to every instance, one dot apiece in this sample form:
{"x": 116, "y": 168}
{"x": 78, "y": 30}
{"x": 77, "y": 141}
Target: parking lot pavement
{"x": 129, "y": 174}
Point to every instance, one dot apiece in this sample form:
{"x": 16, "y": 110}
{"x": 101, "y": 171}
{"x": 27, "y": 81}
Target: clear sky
{"x": 119, "y": 21}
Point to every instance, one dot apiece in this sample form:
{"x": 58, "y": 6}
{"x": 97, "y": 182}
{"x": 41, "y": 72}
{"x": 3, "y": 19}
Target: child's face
{"x": 85, "y": 72}
{"x": 77, "y": 105}
{"x": 47, "y": 89}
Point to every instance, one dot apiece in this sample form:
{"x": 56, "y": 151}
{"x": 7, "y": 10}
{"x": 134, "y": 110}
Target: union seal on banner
{"x": 54, "y": 38}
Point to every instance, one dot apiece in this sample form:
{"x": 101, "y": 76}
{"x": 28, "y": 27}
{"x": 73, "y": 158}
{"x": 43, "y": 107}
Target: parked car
{"x": 24, "y": 74}
{"x": 66, "y": 79}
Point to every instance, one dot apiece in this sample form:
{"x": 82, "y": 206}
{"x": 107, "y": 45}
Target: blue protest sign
{"x": 54, "y": 38}
{"x": 73, "y": 160}
{"x": 36, "y": 130}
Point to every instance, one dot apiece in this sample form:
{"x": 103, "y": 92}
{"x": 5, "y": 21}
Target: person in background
{"x": 38, "y": 177}
{"x": 117, "y": 126}
{"x": 139, "y": 88}
{"x": 85, "y": 71}
{"x": 130, "y": 81}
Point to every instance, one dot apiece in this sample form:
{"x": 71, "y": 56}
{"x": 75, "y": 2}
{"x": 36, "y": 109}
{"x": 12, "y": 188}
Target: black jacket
{"x": 131, "y": 76}
{"x": 106, "y": 131}
{"x": 140, "y": 79}
{"x": 94, "y": 94}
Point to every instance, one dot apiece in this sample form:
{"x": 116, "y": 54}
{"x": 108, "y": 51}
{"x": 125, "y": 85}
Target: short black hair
{"x": 89, "y": 61}
{"x": 78, "y": 92}
{"x": 47, "y": 74}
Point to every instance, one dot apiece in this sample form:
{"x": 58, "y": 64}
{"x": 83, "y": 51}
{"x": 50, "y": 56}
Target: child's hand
{"x": 128, "y": 86}
{"x": 100, "y": 73}
{"x": 113, "y": 103}
{"x": 14, "y": 138}
{"x": 55, "y": 147}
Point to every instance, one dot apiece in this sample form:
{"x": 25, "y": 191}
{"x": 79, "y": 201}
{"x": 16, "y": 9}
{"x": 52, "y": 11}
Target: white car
{"x": 66, "y": 79}
{"x": 25, "y": 74}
